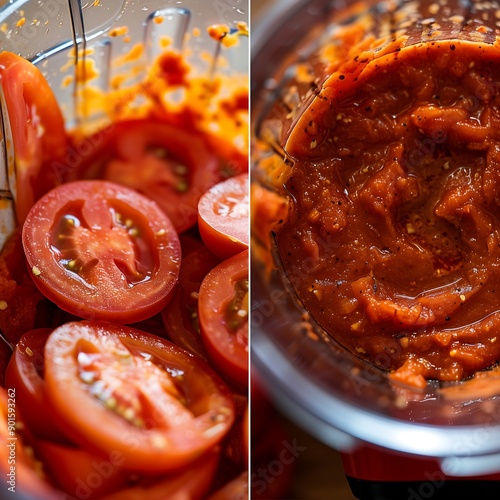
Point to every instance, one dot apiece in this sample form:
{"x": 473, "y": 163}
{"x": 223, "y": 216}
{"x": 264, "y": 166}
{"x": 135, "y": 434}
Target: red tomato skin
{"x": 228, "y": 354}
{"x": 26, "y": 479}
{"x": 82, "y": 473}
{"x": 225, "y": 234}
{"x": 25, "y": 374}
{"x": 5, "y": 355}
{"x": 32, "y": 107}
{"x": 182, "y": 328}
{"x": 190, "y": 483}
{"x": 109, "y": 298}
{"x": 24, "y": 304}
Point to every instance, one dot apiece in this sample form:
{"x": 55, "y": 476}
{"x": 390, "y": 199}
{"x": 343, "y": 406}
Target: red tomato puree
{"x": 392, "y": 240}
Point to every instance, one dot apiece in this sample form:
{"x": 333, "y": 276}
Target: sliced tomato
{"x": 5, "y": 355}
{"x": 116, "y": 388}
{"x": 233, "y": 460}
{"x": 21, "y": 313}
{"x": 153, "y": 325}
{"x": 100, "y": 250}
{"x": 81, "y": 473}
{"x": 22, "y": 305}
{"x": 191, "y": 241}
{"x": 169, "y": 165}
{"x": 236, "y": 489}
{"x": 223, "y": 216}
{"x": 223, "y": 314}
{"x": 233, "y": 160}
{"x": 38, "y": 132}
{"x": 180, "y": 317}
{"x": 25, "y": 374}
{"x": 20, "y": 470}
{"x": 191, "y": 483}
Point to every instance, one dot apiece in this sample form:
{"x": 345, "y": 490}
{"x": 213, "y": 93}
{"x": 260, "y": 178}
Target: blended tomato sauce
{"x": 392, "y": 238}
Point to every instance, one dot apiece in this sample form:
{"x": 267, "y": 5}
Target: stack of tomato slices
{"x": 124, "y": 295}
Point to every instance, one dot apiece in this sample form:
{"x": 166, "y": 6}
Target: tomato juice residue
{"x": 197, "y": 91}
{"x": 391, "y": 182}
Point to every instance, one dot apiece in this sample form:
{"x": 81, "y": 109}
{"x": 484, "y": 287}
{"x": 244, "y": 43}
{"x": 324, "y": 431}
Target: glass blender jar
{"x": 396, "y": 441}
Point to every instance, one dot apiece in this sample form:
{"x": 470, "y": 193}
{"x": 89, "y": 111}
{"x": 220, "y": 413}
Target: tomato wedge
{"x": 223, "y": 315}
{"x": 223, "y": 216}
{"x": 102, "y": 251}
{"x": 180, "y": 316}
{"x": 37, "y": 125}
{"x": 169, "y": 165}
{"x": 119, "y": 389}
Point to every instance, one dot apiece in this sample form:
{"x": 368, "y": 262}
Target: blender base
{"x": 375, "y": 473}
{"x": 364, "y": 489}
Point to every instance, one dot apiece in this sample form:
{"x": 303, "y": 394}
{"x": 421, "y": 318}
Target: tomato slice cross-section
{"x": 116, "y": 388}
{"x": 102, "y": 251}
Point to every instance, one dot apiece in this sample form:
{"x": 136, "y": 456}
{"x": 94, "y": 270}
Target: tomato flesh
{"x": 102, "y": 251}
{"x": 223, "y": 313}
{"x": 117, "y": 388}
